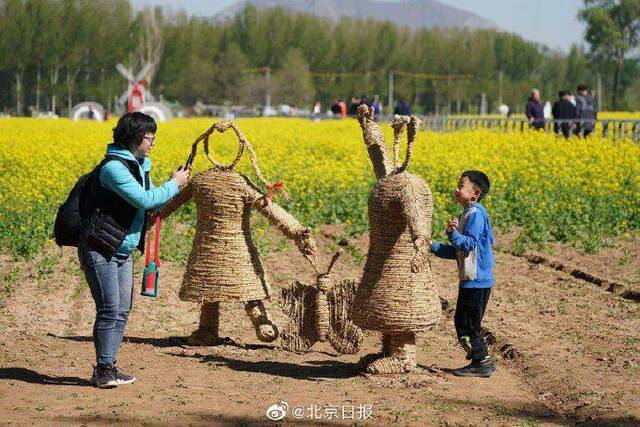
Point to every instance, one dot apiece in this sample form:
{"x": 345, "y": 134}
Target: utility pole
{"x": 599, "y": 96}
{"x": 500, "y": 87}
{"x": 483, "y": 104}
{"x": 268, "y": 95}
{"x": 390, "y": 91}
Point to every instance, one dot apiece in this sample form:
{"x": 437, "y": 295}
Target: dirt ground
{"x": 568, "y": 352}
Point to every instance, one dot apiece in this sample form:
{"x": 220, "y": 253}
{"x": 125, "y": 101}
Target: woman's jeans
{"x": 111, "y": 284}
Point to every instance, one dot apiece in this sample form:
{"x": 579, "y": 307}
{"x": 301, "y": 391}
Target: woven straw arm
{"x": 417, "y": 208}
{"x": 183, "y": 197}
{"x": 283, "y": 220}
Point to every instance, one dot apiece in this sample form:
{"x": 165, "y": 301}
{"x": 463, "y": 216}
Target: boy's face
{"x": 466, "y": 192}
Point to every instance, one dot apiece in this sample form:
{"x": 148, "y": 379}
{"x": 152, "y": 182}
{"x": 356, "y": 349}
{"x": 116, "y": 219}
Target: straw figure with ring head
{"x": 224, "y": 265}
{"x": 396, "y": 295}
{"x": 320, "y": 312}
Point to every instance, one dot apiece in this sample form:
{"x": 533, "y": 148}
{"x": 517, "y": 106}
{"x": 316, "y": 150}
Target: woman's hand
{"x": 181, "y": 176}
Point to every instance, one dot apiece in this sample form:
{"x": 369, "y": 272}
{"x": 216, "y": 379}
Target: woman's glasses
{"x": 151, "y": 139}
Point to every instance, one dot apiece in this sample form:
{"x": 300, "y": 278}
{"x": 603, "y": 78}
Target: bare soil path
{"x": 568, "y": 351}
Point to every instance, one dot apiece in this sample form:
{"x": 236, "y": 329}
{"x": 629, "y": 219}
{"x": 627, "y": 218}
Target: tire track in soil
{"x": 606, "y": 284}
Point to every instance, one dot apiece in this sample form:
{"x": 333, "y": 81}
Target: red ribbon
{"x": 272, "y": 187}
{"x": 156, "y": 245}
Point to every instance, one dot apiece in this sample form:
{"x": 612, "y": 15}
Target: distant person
{"x": 343, "y": 108}
{"x": 563, "y": 109}
{"x": 377, "y": 106}
{"x": 402, "y": 108}
{"x": 586, "y": 111}
{"x": 335, "y": 108}
{"x": 91, "y": 114}
{"x": 353, "y": 106}
{"x": 317, "y": 109}
{"x": 534, "y": 110}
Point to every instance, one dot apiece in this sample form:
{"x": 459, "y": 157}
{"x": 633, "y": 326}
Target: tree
{"x": 613, "y": 31}
{"x": 17, "y": 33}
{"x": 150, "y": 44}
{"x": 293, "y": 82}
{"x": 230, "y": 74}
{"x": 78, "y": 39}
{"x": 53, "y": 32}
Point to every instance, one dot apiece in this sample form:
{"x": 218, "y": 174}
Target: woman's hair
{"x": 131, "y": 128}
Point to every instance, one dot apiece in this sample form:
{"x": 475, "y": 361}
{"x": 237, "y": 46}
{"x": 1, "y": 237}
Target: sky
{"x": 550, "y": 22}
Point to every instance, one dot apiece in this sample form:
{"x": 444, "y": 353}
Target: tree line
{"x": 55, "y": 53}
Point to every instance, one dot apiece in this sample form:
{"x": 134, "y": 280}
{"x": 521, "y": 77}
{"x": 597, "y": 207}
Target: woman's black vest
{"x": 113, "y": 215}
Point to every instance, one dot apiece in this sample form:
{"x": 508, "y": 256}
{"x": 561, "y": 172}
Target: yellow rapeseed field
{"x": 573, "y": 190}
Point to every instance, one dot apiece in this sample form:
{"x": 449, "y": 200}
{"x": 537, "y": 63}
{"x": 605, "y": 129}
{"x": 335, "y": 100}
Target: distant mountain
{"x": 412, "y": 13}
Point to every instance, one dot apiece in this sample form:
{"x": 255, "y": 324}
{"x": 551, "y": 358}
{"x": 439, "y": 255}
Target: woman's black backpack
{"x": 78, "y": 208}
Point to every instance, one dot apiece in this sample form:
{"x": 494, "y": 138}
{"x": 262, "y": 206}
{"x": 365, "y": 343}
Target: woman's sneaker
{"x": 104, "y": 376}
{"x": 122, "y": 378}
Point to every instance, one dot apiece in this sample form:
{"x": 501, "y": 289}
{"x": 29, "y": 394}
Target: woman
{"x": 123, "y": 195}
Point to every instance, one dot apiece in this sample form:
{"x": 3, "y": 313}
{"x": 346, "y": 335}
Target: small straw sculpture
{"x": 224, "y": 264}
{"x": 396, "y": 295}
{"x": 319, "y": 313}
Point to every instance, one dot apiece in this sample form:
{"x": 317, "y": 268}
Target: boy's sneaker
{"x": 483, "y": 368}
{"x": 104, "y": 376}
{"x": 122, "y": 378}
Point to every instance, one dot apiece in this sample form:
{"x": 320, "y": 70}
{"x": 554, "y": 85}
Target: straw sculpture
{"x": 396, "y": 295}
{"x": 224, "y": 264}
{"x": 319, "y": 313}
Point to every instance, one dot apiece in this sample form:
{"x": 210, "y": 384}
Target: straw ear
{"x": 413, "y": 127}
{"x": 398, "y": 124}
{"x": 413, "y": 124}
{"x": 364, "y": 113}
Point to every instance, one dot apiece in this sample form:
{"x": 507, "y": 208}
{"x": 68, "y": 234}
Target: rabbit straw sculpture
{"x": 396, "y": 295}
{"x": 319, "y": 313}
{"x": 224, "y": 264}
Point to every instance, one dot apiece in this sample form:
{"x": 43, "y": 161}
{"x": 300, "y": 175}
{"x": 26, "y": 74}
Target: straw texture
{"x": 398, "y": 355}
{"x": 396, "y": 293}
{"x": 320, "y": 312}
{"x": 224, "y": 264}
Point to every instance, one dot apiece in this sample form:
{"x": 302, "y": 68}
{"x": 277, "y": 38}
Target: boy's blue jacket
{"x": 116, "y": 177}
{"x": 471, "y": 245}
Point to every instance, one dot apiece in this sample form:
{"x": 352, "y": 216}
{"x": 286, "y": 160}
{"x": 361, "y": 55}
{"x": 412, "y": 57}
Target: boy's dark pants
{"x": 468, "y": 320}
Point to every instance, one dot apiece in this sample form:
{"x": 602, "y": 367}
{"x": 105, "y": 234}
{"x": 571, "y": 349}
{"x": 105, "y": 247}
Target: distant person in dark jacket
{"x": 335, "y": 108}
{"x": 534, "y": 110}
{"x": 402, "y": 108}
{"x": 586, "y": 111}
{"x": 353, "y": 106}
{"x": 563, "y": 109}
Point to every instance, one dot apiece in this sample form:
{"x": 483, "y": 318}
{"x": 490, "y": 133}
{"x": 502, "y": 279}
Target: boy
{"x": 471, "y": 239}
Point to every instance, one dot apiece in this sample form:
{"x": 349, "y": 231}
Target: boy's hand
{"x": 452, "y": 224}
